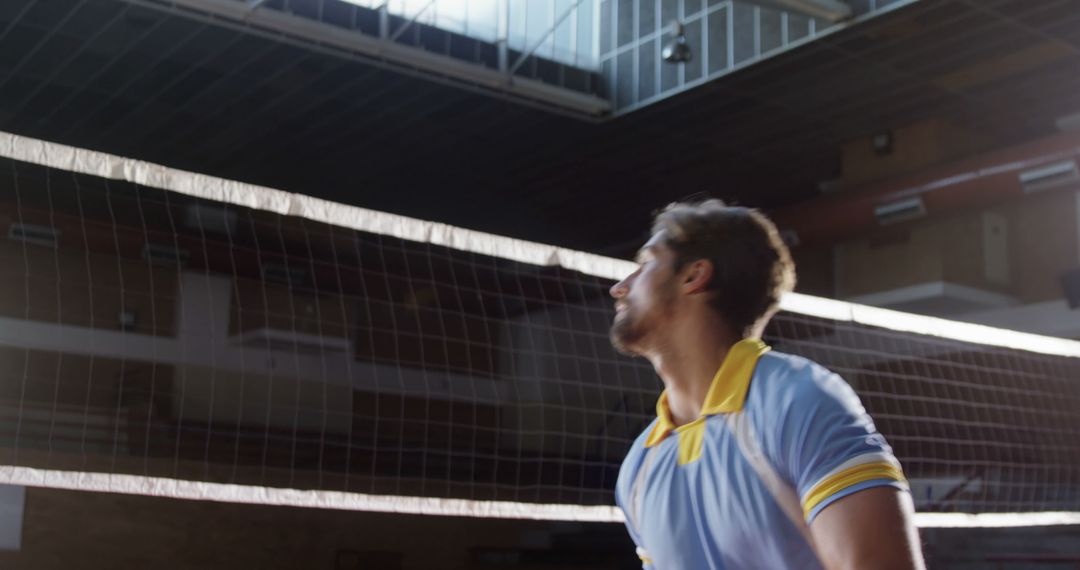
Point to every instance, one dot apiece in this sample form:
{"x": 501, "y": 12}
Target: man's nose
{"x": 620, "y": 289}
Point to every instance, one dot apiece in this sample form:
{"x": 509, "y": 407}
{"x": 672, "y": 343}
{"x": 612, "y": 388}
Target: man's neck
{"x": 687, "y": 363}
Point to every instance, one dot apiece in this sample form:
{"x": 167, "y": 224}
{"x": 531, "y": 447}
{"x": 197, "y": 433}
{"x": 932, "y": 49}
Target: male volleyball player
{"x": 756, "y": 459}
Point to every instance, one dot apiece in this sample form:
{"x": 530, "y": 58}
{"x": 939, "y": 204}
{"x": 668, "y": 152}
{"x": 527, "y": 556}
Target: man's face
{"x": 644, "y": 299}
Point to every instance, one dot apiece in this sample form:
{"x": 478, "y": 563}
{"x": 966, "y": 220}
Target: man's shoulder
{"x": 777, "y": 361}
{"x": 781, "y": 380}
{"x": 783, "y": 372}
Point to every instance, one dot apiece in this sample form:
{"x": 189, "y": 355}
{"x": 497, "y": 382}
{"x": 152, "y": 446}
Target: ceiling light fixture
{"x": 677, "y": 50}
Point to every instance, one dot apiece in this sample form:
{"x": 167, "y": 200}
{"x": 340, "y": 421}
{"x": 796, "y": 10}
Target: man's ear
{"x": 696, "y": 276}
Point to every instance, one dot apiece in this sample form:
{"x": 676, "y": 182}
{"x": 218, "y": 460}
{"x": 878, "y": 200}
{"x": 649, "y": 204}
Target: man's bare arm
{"x": 869, "y": 529}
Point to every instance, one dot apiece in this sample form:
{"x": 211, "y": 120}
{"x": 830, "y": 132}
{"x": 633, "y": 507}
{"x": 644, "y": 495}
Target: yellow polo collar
{"x": 726, "y": 394}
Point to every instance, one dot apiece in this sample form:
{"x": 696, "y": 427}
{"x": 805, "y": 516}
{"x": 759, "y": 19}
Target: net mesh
{"x": 154, "y": 333}
{"x": 978, "y": 428}
{"x": 157, "y": 334}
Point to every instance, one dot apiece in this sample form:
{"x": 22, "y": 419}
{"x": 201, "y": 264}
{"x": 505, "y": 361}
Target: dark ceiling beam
{"x": 380, "y": 112}
{"x": 366, "y": 89}
{"x": 58, "y": 68}
{"x": 129, "y": 47}
{"x": 28, "y": 55}
{"x": 16, "y": 19}
{"x": 136, "y": 113}
{"x": 225, "y": 109}
{"x": 263, "y": 122}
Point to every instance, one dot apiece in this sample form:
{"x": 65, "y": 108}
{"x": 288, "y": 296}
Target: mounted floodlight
{"x": 1049, "y": 177}
{"x": 1067, "y": 123}
{"x": 677, "y": 50}
{"x": 165, "y": 254}
{"x": 900, "y": 211}
{"x": 38, "y": 235}
{"x": 830, "y": 10}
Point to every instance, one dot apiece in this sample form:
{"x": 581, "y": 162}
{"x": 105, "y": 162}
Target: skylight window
{"x": 565, "y": 31}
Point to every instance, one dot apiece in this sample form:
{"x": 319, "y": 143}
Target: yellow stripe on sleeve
{"x": 847, "y": 478}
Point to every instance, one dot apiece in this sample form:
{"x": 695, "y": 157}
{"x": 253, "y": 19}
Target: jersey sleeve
{"x": 828, "y": 447}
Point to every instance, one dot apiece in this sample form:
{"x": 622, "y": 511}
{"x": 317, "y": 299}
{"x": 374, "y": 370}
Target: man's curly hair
{"x": 752, "y": 266}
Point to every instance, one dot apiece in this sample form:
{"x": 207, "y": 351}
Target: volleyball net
{"x": 173, "y": 334}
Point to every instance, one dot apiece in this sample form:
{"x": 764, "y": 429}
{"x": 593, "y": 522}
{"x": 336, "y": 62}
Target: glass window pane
{"x": 574, "y": 42}
{"x": 647, "y": 60}
{"x": 646, "y": 17}
{"x": 693, "y": 39}
{"x": 718, "y": 53}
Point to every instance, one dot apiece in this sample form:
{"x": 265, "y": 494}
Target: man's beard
{"x": 626, "y": 331}
{"x": 633, "y": 324}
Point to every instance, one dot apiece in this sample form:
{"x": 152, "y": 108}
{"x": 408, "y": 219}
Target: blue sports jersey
{"x": 693, "y": 500}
